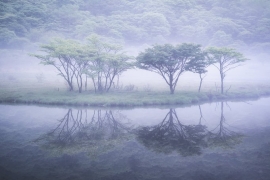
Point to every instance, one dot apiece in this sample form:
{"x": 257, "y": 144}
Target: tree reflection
{"x": 98, "y": 131}
{"x": 222, "y": 136}
{"x": 102, "y": 129}
{"x": 171, "y": 135}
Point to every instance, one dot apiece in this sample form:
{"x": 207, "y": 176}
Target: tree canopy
{"x": 235, "y": 23}
{"x": 224, "y": 59}
{"x": 170, "y": 61}
{"x": 99, "y": 60}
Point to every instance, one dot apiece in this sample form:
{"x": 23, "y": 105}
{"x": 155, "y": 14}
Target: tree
{"x": 169, "y": 61}
{"x": 108, "y": 62}
{"x": 81, "y": 57}
{"x": 62, "y": 55}
{"x": 200, "y": 67}
{"x": 225, "y": 59}
{"x": 100, "y": 60}
{"x": 156, "y": 25}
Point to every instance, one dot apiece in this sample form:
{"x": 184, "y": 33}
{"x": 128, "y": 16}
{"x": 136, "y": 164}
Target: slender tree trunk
{"x": 93, "y": 80}
{"x": 80, "y": 84}
{"x": 222, "y": 83}
{"x": 221, "y": 76}
{"x": 171, "y": 85}
{"x": 70, "y": 85}
{"x": 201, "y": 80}
{"x": 111, "y": 82}
{"x": 99, "y": 83}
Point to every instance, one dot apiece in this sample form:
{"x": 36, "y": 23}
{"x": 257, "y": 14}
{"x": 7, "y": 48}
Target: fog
{"x": 217, "y": 139}
{"x": 137, "y": 25}
{"x": 18, "y": 69}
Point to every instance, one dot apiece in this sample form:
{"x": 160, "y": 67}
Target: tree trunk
{"x": 70, "y": 85}
{"x": 222, "y": 84}
{"x": 99, "y": 83}
{"x": 94, "y": 83}
{"x": 171, "y": 90}
{"x": 80, "y": 84}
{"x": 221, "y": 72}
{"x": 171, "y": 85}
{"x": 201, "y": 79}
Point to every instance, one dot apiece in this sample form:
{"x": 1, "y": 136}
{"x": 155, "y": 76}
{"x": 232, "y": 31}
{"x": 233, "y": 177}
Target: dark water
{"x": 225, "y": 140}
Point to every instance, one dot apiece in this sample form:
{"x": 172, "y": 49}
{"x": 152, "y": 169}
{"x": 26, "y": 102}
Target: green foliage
{"x": 64, "y": 56}
{"x": 107, "y": 61}
{"x": 229, "y": 57}
{"x": 98, "y": 59}
{"x": 170, "y": 61}
{"x": 6, "y": 36}
{"x": 224, "y": 59}
{"x": 21, "y": 16}
{"x": 211, "y": 22}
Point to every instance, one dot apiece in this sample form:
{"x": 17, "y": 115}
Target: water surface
{"x": 225, "y": 140}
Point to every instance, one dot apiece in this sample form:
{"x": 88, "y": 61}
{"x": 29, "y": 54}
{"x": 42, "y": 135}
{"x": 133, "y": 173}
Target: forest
{"x": 242, "y": 24}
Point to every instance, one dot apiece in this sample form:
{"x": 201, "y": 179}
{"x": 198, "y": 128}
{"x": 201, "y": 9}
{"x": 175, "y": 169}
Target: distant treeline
{"x": 237, "y": 23}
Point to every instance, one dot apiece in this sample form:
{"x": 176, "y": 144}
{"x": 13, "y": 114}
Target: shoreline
{"x": 126, "y": 99}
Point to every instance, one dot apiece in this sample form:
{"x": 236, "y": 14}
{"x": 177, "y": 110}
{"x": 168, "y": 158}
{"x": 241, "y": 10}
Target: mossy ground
{"x": 30, "y": 90}
{"x": 124, "y": 98}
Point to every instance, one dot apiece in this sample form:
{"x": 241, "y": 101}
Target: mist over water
{"x": 110, "y": 143}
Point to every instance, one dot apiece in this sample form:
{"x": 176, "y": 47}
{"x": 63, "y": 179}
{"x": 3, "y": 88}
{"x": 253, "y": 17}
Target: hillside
{"x": 243, "y": 24}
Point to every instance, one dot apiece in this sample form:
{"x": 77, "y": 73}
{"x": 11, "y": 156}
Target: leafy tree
{"x": 62, "y": 55}
{"x": 64, "y": 21}
{"x": 155, "y": 24}
{"x": 100, "y": 60}
{"x": 83, "y": 30}
{"x": 200, "y": 67}
{"x": 6, "y": 36}
{"x": 225, "y": 59}
{"x": 220, "y": 38}
{"x": 107, "y": 62}
{"x": 17, "y": 18}
{"x": 169, "y": 61}
{"x": 213, "y": 22}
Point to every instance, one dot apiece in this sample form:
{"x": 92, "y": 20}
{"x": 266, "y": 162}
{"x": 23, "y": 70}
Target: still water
{"x": 224, "y": 140}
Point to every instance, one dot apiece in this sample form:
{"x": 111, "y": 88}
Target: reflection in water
{"x": 101, "y": 130}
{"x": 171, "y": 135}
{"x": 222, "y": 136}
{"x": 98, "y": 144}
{"x": 201, "y": 115}
{"x": 98, "y": 131}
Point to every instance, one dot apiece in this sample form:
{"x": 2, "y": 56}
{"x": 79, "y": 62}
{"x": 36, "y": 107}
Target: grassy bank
{"x": 126, "y": 98}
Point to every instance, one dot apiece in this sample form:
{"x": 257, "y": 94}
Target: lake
{"x": 221, "y": 140}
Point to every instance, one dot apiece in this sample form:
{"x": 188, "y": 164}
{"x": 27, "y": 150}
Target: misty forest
{"x": 140, "y": 46}
{"x": 134, "y": 89}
